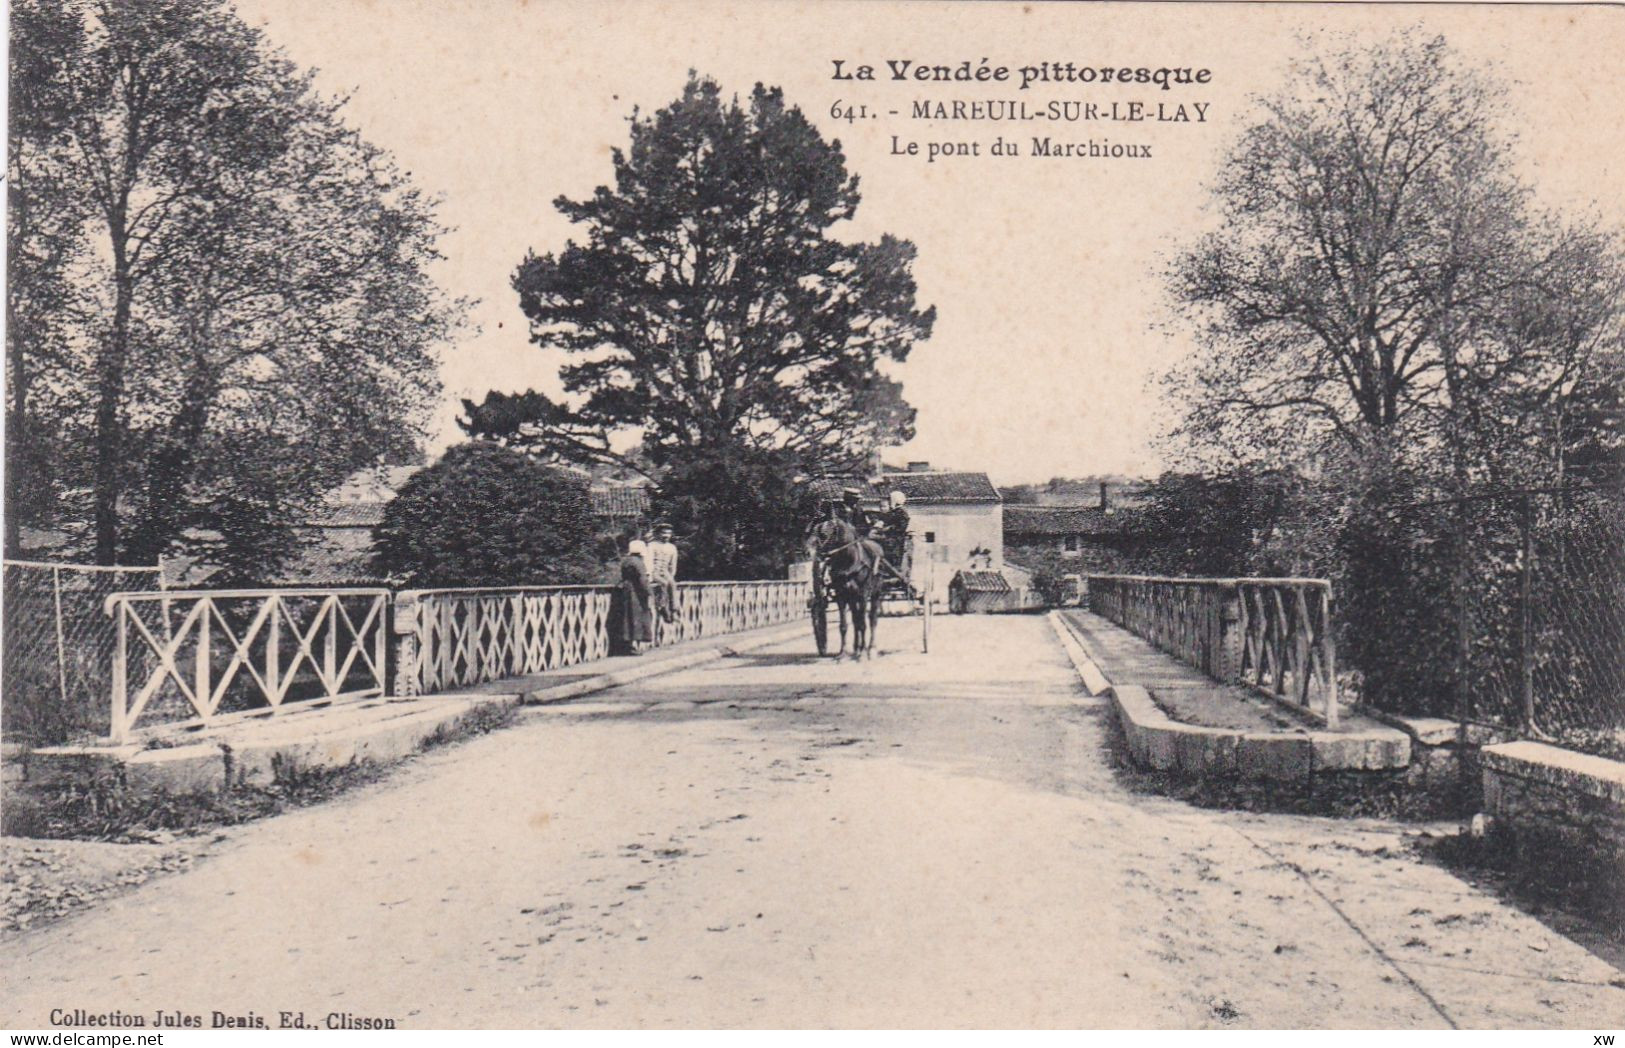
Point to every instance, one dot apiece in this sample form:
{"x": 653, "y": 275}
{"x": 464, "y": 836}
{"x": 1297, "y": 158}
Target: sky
{"x": 1051, "y": 326}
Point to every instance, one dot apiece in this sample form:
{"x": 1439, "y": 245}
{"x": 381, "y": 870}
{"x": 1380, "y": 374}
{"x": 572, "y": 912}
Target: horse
{"x": 855, "y": 578}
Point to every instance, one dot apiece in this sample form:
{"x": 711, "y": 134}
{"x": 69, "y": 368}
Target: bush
{"x": 1048, "y": 571}
{"x": 738, "y": 510}
{"x": 486, "y": 515}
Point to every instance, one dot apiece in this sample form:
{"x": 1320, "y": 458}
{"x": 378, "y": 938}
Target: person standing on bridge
{"x": 637, "y": 625}
{"x": 663, "y": 571}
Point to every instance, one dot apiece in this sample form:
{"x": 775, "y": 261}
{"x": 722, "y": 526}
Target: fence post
{"x": 118, "y": 727}
{"x": 1464, "y": 698}
{"x": 330, "y": 650}
{"x": 1526, "y": 644}
{"x": 61, "y": 642}
{"x": 380, "y": 646}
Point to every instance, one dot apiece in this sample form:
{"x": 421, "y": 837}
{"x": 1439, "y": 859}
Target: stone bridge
{"x": 1209, "y": 676}
{"x": 742, "y": 834}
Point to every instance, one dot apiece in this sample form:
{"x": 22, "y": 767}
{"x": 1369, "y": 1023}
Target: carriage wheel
{"x": 925, "y": 606}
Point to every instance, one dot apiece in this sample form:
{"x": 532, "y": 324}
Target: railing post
{"x": 61, "y": 639}
{"x": 405, "y": 626}
{"x": 1229, "y": 642}
{"x": 330, "y": 650}
{"x": 200, "y": 681}
{"x": 273, "y": 648}
{"x": 380, "y": 643}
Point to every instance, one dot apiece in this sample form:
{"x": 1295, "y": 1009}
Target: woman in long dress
{"x": 637, "y": 624}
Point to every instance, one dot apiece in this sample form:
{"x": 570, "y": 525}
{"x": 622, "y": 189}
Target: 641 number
{"x": 850, "y": 113}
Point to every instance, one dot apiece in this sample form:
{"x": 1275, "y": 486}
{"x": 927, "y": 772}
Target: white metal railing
{"x": 1272, "y": 633}
{"x": 711, "y": 609}
{"x": 199, "y": 657}
{"x": 452, "y": 638}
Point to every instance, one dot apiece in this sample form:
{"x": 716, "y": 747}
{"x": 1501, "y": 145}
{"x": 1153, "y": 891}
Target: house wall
{"x": 1091, "y": 555}
{"x": 958, "y": 528}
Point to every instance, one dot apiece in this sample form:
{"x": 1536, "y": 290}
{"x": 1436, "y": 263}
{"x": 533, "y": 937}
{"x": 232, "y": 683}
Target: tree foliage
{"x": 1384, "y": 307}
{"x": 1240, "y": 522}
{"x": 740, "y": 510}
{"x": 1048, "y": 573}
{"x": 484, "y": 515}
{"x": 709, "y": 303}
{"x": 1381, "y": 277}
{"x": 256, "y": 316}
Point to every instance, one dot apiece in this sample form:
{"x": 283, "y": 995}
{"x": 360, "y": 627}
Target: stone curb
{"x": 215, "y": 763}
{"x": 1093, "y": 680}
{"x": 1565, "y": 770}
{"x": 1156, "y": 740}
{"x": 654, "y": 668}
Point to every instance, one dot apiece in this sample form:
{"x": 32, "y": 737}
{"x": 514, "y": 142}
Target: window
{"x": 930, "y": 536}
{"x": 1072, "y": 544}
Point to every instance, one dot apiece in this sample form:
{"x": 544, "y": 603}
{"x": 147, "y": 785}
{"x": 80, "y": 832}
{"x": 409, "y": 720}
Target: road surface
{"x": 773, "y": 840}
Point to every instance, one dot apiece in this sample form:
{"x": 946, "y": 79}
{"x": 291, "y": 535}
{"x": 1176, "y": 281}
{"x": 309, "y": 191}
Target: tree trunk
{"x": 169, "y": 470}
{"x": 110, "y": 363}
{"x": 18, "y": 449}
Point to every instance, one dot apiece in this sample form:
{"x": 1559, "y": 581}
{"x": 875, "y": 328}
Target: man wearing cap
{"x": 855, "y": 513}
{"x": 663, "y": 571}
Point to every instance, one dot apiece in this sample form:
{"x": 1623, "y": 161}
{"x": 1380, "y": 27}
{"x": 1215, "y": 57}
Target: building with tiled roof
{"x": 1039, "y": 522}
{"x": 619, "y": 504}
{"x": 955, "y": 519}
{"x": 1100, "y": 537}
{"x": 982, "y": 582}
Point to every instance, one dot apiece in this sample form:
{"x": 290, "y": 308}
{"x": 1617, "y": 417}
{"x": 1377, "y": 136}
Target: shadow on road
{"x": 779, "y": 659}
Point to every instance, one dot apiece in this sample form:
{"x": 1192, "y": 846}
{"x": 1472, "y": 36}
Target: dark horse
{"x": 854, "y": 566}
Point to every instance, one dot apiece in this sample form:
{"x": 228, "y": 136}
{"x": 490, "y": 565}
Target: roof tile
{"x": 942, "y": 487}
{"x": 1061, "y": 520}
{"x": 982, "y": 582}
{"x": 619, "y": 502}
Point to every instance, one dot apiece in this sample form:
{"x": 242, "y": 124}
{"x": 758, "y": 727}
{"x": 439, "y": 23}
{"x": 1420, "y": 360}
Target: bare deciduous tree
{"x": 1380, "y": 273}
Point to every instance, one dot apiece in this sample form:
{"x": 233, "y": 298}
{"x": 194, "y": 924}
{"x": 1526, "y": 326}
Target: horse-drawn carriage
{"x": 859, "y": 575}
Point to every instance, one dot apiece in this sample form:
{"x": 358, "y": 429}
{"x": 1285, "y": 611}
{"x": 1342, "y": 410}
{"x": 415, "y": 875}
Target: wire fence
{"x": 57, "y": 659}
{"x": 1505, "y": 609}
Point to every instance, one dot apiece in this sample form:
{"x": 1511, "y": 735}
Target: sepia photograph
{"x": 812, "y": 515}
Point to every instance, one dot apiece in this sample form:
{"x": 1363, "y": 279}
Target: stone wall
{"x": 1556, "y": 806}
{"x": 1437, "y": 785}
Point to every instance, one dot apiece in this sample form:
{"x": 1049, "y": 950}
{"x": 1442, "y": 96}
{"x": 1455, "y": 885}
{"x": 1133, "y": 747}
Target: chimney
{"x": 1104, "y": 504}
{"x": 919, "y": 467}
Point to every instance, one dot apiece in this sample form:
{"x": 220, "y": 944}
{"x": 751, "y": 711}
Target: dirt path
{"x": 773, "y": 841}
